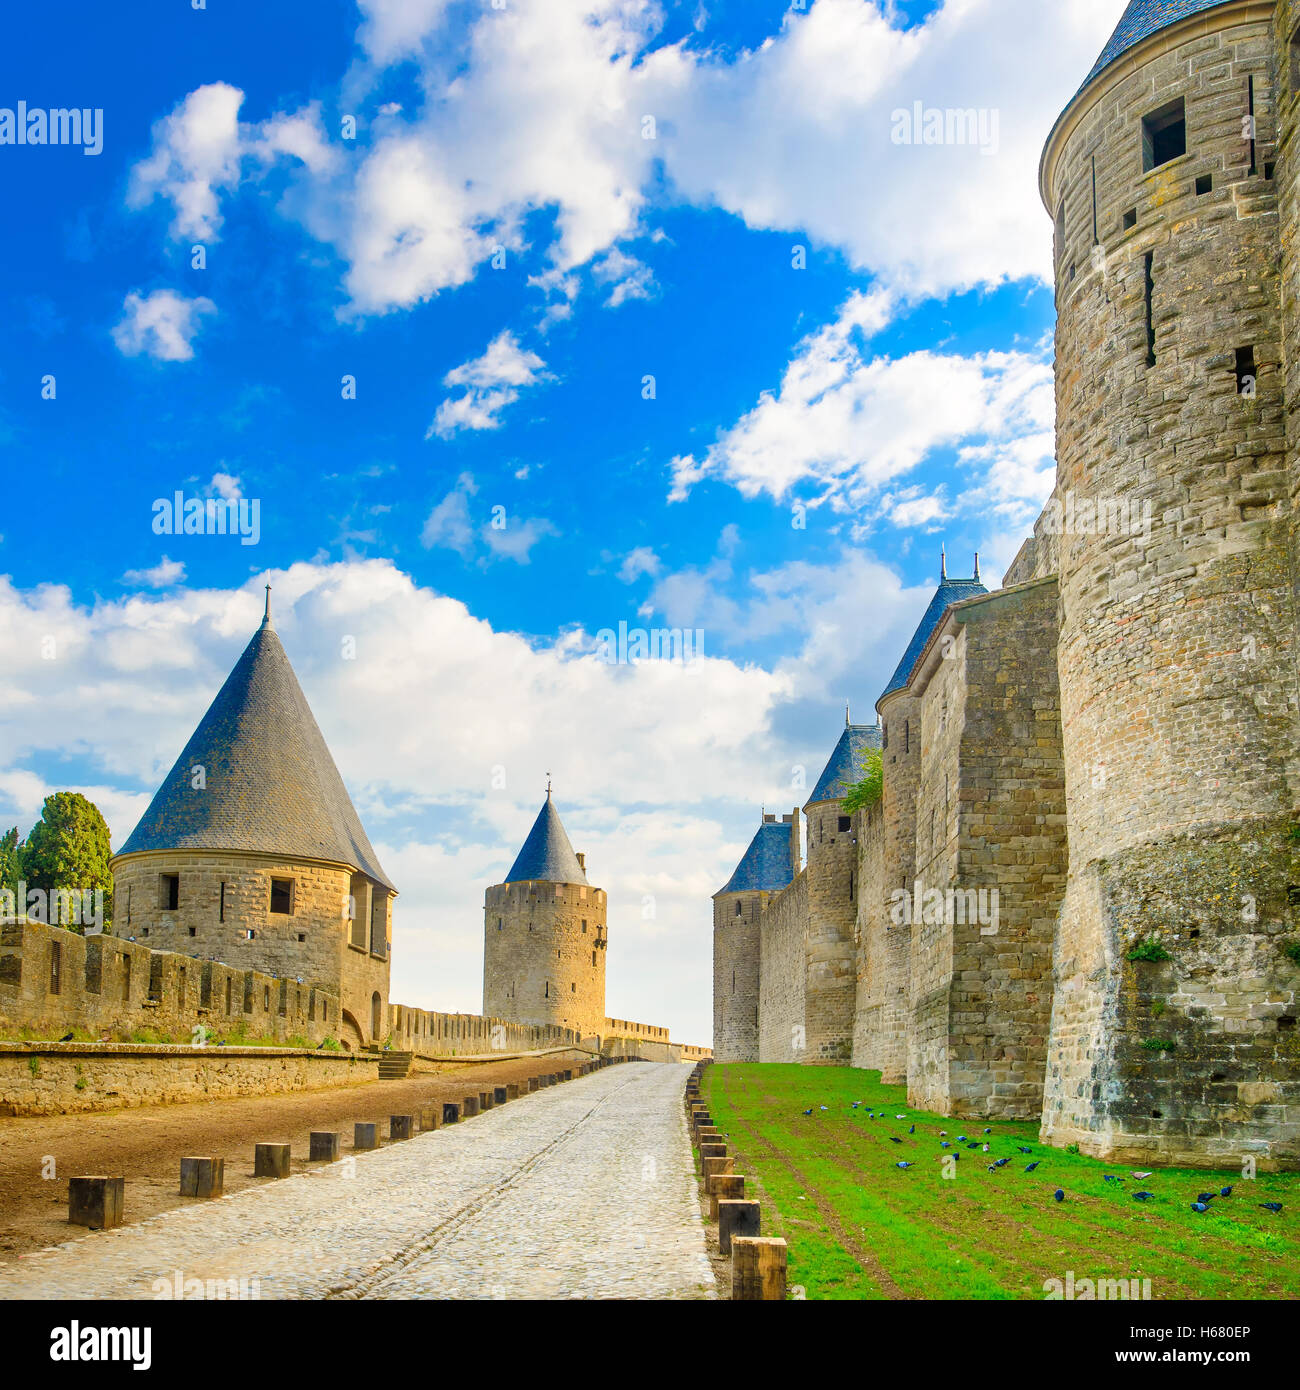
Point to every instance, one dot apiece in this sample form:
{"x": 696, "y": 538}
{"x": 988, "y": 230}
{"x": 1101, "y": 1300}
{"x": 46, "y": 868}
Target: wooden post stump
{"x": 95, "y": 1202}
{"x": 431, "y": 1118}
{"x": 512, "y": 1090}
{"x": 325, "y": 1146}
{"x": 450, "y": 1112}
{"x": 757, "y": 1269}
{"x": 203, "y": 1177}
{"x": 485, "y": 1101}
{"x": 500, "y": 1094}
{"x": 711, "y": 1167}
{"x": 736, "y": 1217}
{"x": 401, "y": 1127}
{"x": 469, "y": 1106}
{"x": 271, "y": 1161}
{"x": 718, "y": 1150}
{"x": 533, "y": 1085}
{"x": 365, "y": 1136}
{"x": 728, "y": 1185}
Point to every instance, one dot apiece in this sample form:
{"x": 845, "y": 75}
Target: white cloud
{"x": 451, "y": 526}
{"x": 628, "y": 277}
{"x": 637, "y": 562}
{"x": 515, "y": 540}
{"x": 162, "y": 576}
{"x": 492, "y": 383}
{"x": 448, "y": 524}
{"x": 162, "y": 325}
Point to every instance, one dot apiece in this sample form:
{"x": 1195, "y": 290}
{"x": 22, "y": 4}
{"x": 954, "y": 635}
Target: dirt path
{"x": 146, "y": 1145}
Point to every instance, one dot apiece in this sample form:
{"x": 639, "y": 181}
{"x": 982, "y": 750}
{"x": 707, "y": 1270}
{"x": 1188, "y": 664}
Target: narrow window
{"x": 282, "y": 895}
{"x": 1204, "y": 185}
{"x": 169, "y": 892}
{"x": 1246, "y": 371}
{"x": 1269, "y": 168}
{"x": 844, "y": 823}
{"x": 1094, "y": 201}
{"x": 1130, "y": 219}
{"x": 501, "y": 921}
{"x": 851, "y": 890}
{"x": 1164, "y": 135}
{"x": 593, "y": 960}
{"x": 126, "y": 979}
{"x": 221, "y": 911}
{"x": 194, "y": 931}
{"x": 1148, "y": 290}
{"x": 56, "y": 965}
{"x": 1295, "y": 63}
{"x": 302, "y": 936}
{"x": 266, "y": 998}
{"x": 584, "y": 929}
{"x": 128, "y": 906}
{"x": 884, "y": 736}
{"x": 733, "y": 982}
{"x": 228, "y": 993}
{"x": 573, "y": 989}
{"x": 548, "y": 989}
{"x": 181, "y": 985}
{"x": 1060, "y": 230}
{"x": 907, "y": 735}
{"x": 1250, "y": 121}
{"x": 738, "y": 908}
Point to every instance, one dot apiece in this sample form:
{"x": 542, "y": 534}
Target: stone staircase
{"x": 394, "y": 1066}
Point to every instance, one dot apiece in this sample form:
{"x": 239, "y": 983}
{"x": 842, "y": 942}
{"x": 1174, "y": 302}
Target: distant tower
{"x": 251, "y": 852}
{"x": 768, "y": 866}
{"x": 1174, "y": 491}
{"x": 545, "y": 936}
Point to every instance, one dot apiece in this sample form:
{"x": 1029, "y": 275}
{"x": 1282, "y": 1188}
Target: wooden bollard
{"x": 271, "y": 1161}
{"x": 450, "y": 1112}
{"x": 728, "y": 1185}
{"x": 401, "y": 1127}
{"x": 512, "y": 1090}
{"x": 95, "y": 1202}
{"x": 431, "y": 1119}
{"x": 568, "y": 1075}
{"x": 757, "y": 1269}
{"x": 709, "y": 1167}
{"x": 533, "y": 1085}
{"x": 485, "y": 1101}
{"x": 711, "y": 1135}
{"x": 500, "y": 1094}
{"x": 203, "y": 1177}
{"x": 365, "y": 1136}
{"x": 325, "y": 1146}
{"x": 718, "y": 1150}
{"x": 736, "y": 1217}
{"x": 469, "y": 1106}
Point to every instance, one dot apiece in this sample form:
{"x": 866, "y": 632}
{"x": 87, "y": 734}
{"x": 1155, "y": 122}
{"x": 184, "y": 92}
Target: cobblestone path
{"x": 583, "y": 1190}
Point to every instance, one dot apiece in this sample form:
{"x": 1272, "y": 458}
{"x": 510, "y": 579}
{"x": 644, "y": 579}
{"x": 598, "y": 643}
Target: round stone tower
{"x": 545, "y": 936}
{"x": 768, "y": 866}
{"x": 1172, "y": 1035}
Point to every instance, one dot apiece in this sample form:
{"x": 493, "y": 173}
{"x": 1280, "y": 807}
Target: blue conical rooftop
{"x": 270, "y": 784}
{"x": 950, "y": 591}
{"x": 547, "y": 855}
{"x": 845, "y": 765}
{"x": 1142, "y": 19}
{"x": 767, "y": 865}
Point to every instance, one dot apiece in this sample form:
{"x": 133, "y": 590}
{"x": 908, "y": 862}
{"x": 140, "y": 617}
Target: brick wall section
{"x": 737, "y": 951}
{"x": 782, "y": 1031}
{"x": 544, "y": 954}
{"x": 1177, "y": 660}
{"x": 830, "y": 988}
{"x": 872, "y": 939}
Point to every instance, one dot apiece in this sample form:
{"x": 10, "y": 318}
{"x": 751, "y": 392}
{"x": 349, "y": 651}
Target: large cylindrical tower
{"x": 1172, "y": 1036}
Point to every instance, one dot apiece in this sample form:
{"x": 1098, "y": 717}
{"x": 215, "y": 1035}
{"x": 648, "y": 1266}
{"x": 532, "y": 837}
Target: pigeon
{"x": 1024, "y": 1150}
{"x": 975, "y": 1143}
{"x": 856, "y": 1104}
{"x": 945, "y": 1145}
{"x": 1206, "y": 1196}
{"x": 985, "y": 1147}
{"x": 1110, "y": 1177}
{"x": 904, "y": 1165}
{"x": 894, "y": 1140}
{"x": 1059, "y": 1195}
{"x": 988, "y": 1131}
{"x": 823, "y": 1107}
{"x": 961, "y": 1138}
{"x": 993, "y": 1167}
{"x": 912, "y": 1130}
{"x": 943, "y": 1134}
{"x": 1225, "y": 1192}
{"x": 1029, "y": 1167}
{"x": 1200, "y": 1206}
{"x": 900, "y": 1117}
{"x": 807, "y": 1112}
{"x": 1002, "y": 1163}
{"x": 1143, "y": 1196}
{"x": 67, "y": 1037}
{"x": 1271, "y": 1206}
{"x": 1140, "y": 1176}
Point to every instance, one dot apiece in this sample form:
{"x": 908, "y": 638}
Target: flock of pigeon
{"x": 1201, "y": 1204}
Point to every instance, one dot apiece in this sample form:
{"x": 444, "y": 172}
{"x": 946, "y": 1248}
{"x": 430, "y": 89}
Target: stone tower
{"x": 252, "y": 854}
{"x": 768, "y": 866}
{"x": 545, "y": 935}
{"x": 830, "y": 968}
{"x": 1177, "y": 612}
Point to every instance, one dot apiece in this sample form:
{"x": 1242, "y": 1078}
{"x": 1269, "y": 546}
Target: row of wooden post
{"x": 97, "y": 1201}
{"x": 758, "y": 1262}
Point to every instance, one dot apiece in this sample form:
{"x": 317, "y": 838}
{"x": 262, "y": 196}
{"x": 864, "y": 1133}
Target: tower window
{"x": 1149, "y": 285}
{"x": 584, "y": 929}
{"x": 593, "y": 959}
{"x": 1130, "y": 219}
{"x": 845, "y": 823}
{"x": 1295, "y": 63}
{"x": 1204, "y": 185}
{"x": 56, "y": 964}
{"x": 500, "y": 923}
{"x": 573, "y": 989}
{"x": 221, "y": 907}
{"x": 169, "y": 892}
{"x": 907, "y": 735}
{"x": 1246, "y": 371}
{"x": 228, "y": 993}
{"x": 1164, "y": 135}
{"x": 282, "y": 895}
{"x": 1060, "y": 230}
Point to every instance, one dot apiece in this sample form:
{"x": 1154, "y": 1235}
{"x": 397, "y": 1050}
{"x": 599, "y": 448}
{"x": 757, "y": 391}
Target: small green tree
{"x": 866, "y": 792}
{"x": 11, "y": 864}
{"x": 69, "y": 848}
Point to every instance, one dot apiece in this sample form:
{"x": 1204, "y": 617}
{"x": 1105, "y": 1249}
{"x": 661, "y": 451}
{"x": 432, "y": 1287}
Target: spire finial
{"x": 977, "y": 565}
{"x": 266, "y": 616}
{"x": 847, "y": 720}
{"x": 548, "y": 786}
{"x": 943, "y": 562}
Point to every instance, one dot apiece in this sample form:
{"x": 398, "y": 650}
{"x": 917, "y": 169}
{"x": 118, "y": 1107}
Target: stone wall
{"x": 53, "y": 981}
{"x": 830, "y": 964}
{"x": 1177, "y": 644}
{"x": 783, "y": 963}
{"x": 544, "y": 954}
{"x": 737, "y": 953}
{"x": 872, "y": 938}
{"x": 72, "y": 1078}
{"x": 430, "y": 1034}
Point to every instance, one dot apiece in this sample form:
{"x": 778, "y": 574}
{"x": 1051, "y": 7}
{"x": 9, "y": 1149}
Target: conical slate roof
{"x": 845, "y": 765}
{"x": 271, "y": 785}
{"x": 950, "y": 591}
{"x": 1142, "y": 19}
{"x": 547, "y": 855}
{"x": 766, "y": 865}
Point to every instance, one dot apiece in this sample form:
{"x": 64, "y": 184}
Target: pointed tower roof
{"x": 950, "y": 591}
{"x": 766, "y": 865}
{"x": 270, "y": 783}
{"x": 845, "y": 764}
{"x": 1142, "y": 19}
{"x": 547, "y": 855}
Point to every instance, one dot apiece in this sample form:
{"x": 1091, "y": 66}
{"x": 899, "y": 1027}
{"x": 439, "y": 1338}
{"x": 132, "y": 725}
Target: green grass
{"x": 859, "y": 1227}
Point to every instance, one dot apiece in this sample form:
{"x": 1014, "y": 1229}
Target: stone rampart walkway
{"x": 582, "y": 1190}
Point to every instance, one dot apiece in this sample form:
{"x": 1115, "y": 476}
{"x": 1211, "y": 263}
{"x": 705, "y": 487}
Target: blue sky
{"x": 500, "y": 257}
